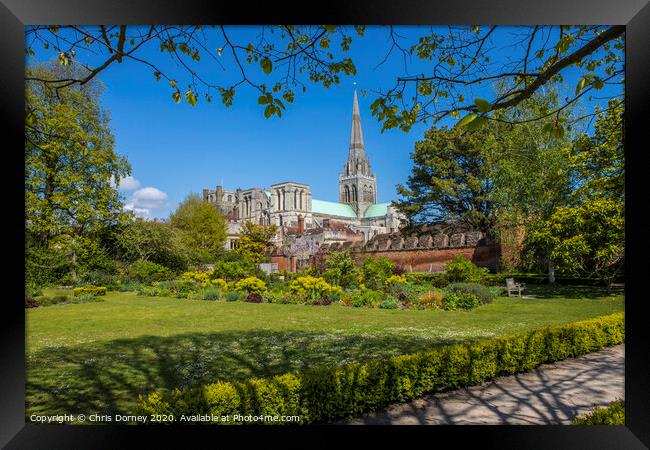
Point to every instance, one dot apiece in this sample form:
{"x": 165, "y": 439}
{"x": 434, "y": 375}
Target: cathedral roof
{"x": 332, "y": 209}
{"x": 377, "y": 210}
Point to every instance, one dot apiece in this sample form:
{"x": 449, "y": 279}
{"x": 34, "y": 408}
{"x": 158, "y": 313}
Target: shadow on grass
{"x": 564, "y": 291}
{"x": 108, "y": 377}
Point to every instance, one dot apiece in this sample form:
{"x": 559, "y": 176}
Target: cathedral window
{"x": 354, "y": 193}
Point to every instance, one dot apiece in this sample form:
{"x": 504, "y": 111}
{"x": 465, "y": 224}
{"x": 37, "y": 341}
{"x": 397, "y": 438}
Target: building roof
{"x": 377, "y": 210}
{"x": 332, "y": 209}
{"x": 268, "y": 193}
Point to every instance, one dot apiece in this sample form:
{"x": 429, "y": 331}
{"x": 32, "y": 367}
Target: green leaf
{"x": 482, "y": 105}
{"x": 476, "y": 123}
{"x": 581, "y": 85}
{"x": 177, "y": 96}
{"x": 172, "y": 83}
{"x": 598, "y": 83}
{"x": 191, "y": 98}
{"x": 267, "y": 65}
{"x": 263, "y": 100}
{"x": 547, "y": 128}
{"x": 268, "y": 111}
{"x": 467, "y": 119}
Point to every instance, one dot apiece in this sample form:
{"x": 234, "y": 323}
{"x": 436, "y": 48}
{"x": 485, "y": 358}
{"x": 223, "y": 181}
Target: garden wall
{"x": 426, "y": 253}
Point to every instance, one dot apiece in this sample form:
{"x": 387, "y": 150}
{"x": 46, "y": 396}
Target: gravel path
{"x": 551, "y": 394}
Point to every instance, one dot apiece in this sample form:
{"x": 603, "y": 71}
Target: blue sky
{"x": 175, "y": 149}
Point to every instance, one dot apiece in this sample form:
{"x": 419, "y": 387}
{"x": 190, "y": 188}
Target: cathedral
{"x": 290, "y": 206}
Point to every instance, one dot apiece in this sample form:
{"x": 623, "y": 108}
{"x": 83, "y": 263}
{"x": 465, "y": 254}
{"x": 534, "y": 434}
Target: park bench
{"x": 511, "y": 286}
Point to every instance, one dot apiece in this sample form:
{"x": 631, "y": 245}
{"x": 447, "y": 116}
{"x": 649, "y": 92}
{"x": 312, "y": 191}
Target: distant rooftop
{"x": 377, "y": 210}
{"x": 332, "y": 209}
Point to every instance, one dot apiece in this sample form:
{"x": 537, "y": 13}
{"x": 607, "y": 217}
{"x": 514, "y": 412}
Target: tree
{"x": 277, "y": 60}
{"x": 70, "y": 165}
{"x": 255, "y": 241}
{"x": 584, "y": 240}
{"x": 202, "y": 228}
{"x": 600, "y": 158}
{"x": 152, "y": 241}
{"x": 342, "y": 269}
{"x": 452, "y": 178}
{"x": 462, "y": 61}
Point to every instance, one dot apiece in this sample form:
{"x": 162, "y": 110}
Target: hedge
{"x": 93, "y": 290}
{"x": 326, "y": 394}
{"x": 614, "y": 414}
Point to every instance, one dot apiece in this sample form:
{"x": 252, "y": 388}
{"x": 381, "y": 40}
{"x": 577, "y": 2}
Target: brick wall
{"x": 434, "y": 259}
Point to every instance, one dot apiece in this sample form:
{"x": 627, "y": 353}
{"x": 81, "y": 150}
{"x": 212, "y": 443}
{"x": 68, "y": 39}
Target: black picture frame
{"x": 635, "y": 14}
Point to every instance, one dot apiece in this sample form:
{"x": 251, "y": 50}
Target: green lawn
{"x": 97, "y": 357}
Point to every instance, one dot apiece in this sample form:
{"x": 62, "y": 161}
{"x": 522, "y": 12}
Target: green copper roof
{"x": 332, "y": 209}
{"x": 268, "y": 193}
{"x": 377, "y": 210}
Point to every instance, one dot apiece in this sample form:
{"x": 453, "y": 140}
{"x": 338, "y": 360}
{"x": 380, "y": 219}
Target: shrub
{"x": 129, "y": 286}
{"x": 366, "y": 297}
{"x": 312, "y": 288}
{"x": 211, "y": 293}
{"x": 462, "y": 269}
{"x": 484, "y": 294}
{"x": 389, "y": 303}
{"x": 395, "y": 279}
{"x": 438, "y": 280}
{"x": 154, "y": 291}
{"x": 254, "y": 298}
{"x": 233, "y": 269}
{"x": 326, "y": 394}
{"x": 48, "y": 300}
{"x": 431, "y": 299}
{"x": 341, "y": 269}
{"x": 233, "y": 296}
{"x": 250, "y": 285}
{"x": 30, "y": 302}
{"x": 88, "y": 298}
{"x": 147, "y": 271}
{"x": 614, "y": 414}
{"x": 92, "y": 290}
{"x": 401, "y": 291}
{"x": 376, "y": 271}
{"x": 454, "y": 300}
{"x": 321, "y": 302}
{"x": 100, "y": 278}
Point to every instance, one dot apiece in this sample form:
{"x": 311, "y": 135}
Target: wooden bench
{"x": 511, "y": 287}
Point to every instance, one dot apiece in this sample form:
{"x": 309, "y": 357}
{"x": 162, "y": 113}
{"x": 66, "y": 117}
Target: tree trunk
{"x": 551, "y": 272}
{"x": 74, "y": 266}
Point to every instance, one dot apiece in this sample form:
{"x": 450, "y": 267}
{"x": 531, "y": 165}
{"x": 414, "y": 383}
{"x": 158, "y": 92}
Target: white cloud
{"x": 144, "y": 200}
{"x": 129, "y": 183}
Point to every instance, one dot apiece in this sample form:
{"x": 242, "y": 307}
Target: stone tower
{"x": 357, "y": 184}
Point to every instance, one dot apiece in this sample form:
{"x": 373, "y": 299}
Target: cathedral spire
{"x": 357, "y": 149}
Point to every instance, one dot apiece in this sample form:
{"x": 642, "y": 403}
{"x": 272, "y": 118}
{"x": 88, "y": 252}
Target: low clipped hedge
{"x": 92, "y": 290}
{"x": 614, "y": 414}
{"x": 326, "y": 394}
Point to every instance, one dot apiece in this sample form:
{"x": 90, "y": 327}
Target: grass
{"x": 98, "y": 357}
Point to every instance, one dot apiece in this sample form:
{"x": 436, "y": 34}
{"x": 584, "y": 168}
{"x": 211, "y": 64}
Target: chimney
{"x": 301, "y": 225}
{"x": 326, "y": 223}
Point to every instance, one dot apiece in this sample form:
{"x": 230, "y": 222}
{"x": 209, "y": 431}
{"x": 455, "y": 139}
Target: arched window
{"x": 279, "y": 204}
{"x": 295, "y": 199}
{"x": 302, "y": 193}
{"x": 354, "y": 193}
{"x": 347, "y": 194}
